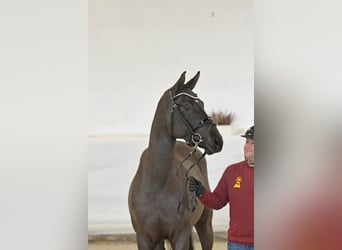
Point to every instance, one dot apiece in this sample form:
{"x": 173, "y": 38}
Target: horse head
{"x": 188, "y": 119}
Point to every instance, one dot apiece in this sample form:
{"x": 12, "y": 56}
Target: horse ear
{"x": 192, "y": 83}
{"x": 180, "y": 82}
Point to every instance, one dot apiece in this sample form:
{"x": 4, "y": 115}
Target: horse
{"x": 161, "y": 206}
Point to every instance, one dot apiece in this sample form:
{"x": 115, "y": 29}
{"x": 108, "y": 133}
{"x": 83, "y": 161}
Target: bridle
{"x": 196, "y": 138}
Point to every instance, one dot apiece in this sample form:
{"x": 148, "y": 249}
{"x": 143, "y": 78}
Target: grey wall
{"x": 137, "y": 49}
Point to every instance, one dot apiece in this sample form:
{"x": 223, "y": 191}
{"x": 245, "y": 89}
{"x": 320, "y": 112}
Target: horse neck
{"x": 161, "y": 146}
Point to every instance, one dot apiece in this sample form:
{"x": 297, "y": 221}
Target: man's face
{"x": 249, "y": 151}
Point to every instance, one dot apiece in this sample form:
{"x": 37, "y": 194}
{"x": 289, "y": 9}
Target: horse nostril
{"x": 217, "y": 142}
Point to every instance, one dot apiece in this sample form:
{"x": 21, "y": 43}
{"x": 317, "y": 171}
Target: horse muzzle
{"x": 212, "y": 142}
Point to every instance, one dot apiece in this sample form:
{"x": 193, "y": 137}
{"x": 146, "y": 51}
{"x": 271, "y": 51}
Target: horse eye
{"x": 187, "y": 107}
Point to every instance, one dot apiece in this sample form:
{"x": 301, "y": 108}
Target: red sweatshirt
{"x": 236, "y": 186}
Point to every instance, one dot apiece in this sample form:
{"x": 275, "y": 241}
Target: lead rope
{"x": 193, "y": 201}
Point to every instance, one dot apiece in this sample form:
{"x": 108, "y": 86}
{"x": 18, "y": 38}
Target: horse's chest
{"x": 159, "y": 200}
{"x": 159, "y": 205}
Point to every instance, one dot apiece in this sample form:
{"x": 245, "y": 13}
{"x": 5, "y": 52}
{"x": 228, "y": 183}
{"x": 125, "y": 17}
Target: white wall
{"x": 138, "y": 49}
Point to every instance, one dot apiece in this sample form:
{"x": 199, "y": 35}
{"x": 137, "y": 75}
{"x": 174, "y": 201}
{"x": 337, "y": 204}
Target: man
{"x": 235, "y": 187}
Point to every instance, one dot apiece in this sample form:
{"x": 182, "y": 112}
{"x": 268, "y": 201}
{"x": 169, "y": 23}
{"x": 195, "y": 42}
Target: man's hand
{"x": 196, "y": 186}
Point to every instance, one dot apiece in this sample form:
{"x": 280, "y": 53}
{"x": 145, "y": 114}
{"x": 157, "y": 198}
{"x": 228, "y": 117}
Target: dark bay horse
{"x": 160, "y": 205}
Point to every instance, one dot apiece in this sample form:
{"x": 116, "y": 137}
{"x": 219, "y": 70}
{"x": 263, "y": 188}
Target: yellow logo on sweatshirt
{"x": 238, "y": 181}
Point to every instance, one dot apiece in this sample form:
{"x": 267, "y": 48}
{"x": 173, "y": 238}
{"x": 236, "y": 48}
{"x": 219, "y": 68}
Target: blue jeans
{"x": 239, "y": 246}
